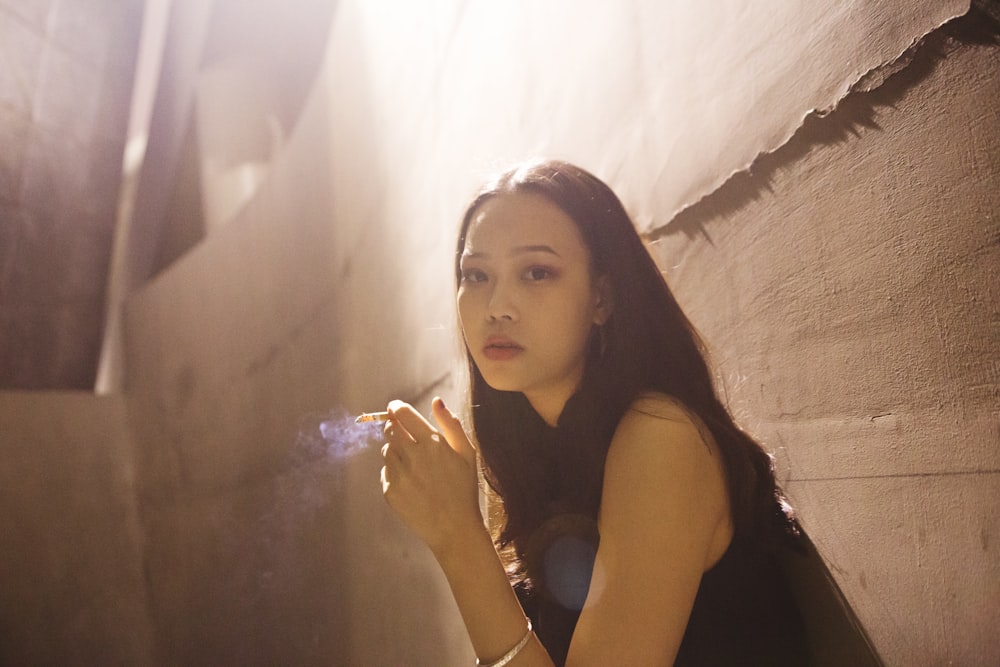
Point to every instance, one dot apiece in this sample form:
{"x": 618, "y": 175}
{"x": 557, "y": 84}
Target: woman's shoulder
{"x": 655, "y": 419}
{"x": 661, "y": 406}
{"x": 664, "y": 467}
{"x": 657, "y": 410}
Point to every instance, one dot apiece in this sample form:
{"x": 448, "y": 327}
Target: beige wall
{"x": 237, "y": 351}
{"x": 850, "y": 295}
{"x": 72, "y": 579}
{"x": 66, "y": 71}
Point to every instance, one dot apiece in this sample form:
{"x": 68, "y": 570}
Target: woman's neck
{"x": 548, "y": 407}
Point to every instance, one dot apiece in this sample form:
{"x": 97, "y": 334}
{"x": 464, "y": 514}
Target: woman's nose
{"x": 502, "y": 304}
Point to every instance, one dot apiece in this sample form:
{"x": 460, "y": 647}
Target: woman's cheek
{"x": 467, "y": 309}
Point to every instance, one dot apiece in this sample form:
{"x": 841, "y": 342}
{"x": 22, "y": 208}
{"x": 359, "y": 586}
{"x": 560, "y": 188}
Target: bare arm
{"x": 492, "y": 614}
{"x": 664, "y": 520}
{"x": 433, "y": 488}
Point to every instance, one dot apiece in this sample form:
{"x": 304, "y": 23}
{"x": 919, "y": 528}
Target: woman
{"x": 636, "y": 523}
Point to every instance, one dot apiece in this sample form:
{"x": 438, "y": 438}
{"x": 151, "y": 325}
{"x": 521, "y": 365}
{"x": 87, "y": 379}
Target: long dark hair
{"x": 646, "y": 345}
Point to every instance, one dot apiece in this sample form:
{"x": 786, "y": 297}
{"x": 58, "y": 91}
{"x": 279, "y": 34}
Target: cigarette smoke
{"x": 342, "y": 438}
{"x": 306, "y": 495}
{"x": 317, "y": 463}
{"x": 324, "y": 444}
{"x": 282, "y": 545}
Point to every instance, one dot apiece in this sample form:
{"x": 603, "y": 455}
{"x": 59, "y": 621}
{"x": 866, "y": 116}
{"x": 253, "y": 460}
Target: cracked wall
{"x": 847, "y": 284}
{"x": 850, "y": 287}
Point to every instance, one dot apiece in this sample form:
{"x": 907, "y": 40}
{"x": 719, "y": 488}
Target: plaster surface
{"x": 664, "y": 99}
{"x": 65, "y": 82}
{"x": 72, "y": 584}
{"x": 851, "y": 295}
{"x": 851, "y": 301}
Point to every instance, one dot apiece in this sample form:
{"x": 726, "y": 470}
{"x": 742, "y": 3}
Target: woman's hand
{"x": 429, "y": 478}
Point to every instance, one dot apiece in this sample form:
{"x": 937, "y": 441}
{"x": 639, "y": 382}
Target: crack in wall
{"x": 880, "y": 89}
{"x": 917, "y": 475}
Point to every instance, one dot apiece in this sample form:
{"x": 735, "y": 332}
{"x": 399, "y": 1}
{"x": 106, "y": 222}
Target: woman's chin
{"x": 501, "y": 382}
{"x": 503, "y": 386}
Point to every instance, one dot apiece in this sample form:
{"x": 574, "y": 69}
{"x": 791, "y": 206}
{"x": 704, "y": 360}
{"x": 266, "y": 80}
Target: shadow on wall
{"x": 881, "y": 88}
{"x": 836, "y": 636}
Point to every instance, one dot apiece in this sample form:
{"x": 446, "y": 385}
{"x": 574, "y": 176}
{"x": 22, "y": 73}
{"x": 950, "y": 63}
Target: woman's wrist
{"x": 465, "y": 535}
{"x": 511, "y": 654}
{"x": 497, "y": 625}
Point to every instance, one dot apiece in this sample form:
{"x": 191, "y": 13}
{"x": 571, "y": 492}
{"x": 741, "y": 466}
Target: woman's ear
{"x": 603, "y": 301}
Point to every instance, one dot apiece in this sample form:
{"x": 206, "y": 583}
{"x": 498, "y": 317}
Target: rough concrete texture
{"x": 852, "y": 294}
{"x": 666, "y": 98}
{"x": 65, "y": 82}
{"x": 236, "y": 354}
{"x": 72, "y": 586}
{"x": 297, "y": 307}
{"x": 855, "y": 294}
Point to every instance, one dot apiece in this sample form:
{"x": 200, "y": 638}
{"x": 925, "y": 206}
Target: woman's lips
{"x": 501, "y": 349}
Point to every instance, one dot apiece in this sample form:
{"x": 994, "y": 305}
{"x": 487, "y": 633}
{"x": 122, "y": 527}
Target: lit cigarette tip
{"x": 371, "y": 417}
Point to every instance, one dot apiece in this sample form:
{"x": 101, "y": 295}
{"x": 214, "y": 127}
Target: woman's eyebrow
{"x": 519, "y": 250}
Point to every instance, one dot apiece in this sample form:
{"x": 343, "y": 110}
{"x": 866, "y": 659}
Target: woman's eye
{"x": 473, "y": 276}
{"x": 536, "y": 273}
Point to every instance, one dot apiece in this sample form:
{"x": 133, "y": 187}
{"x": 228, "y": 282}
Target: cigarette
{"x": 368, "y": 417}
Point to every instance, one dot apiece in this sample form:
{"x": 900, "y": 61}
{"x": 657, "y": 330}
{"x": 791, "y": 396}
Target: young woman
{"x": 636, "y": 523}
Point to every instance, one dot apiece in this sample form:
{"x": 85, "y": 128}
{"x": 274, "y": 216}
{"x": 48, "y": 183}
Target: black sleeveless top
{"x": 744, "y": 613}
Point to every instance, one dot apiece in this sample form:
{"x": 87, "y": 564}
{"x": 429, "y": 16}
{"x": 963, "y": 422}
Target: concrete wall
{"x": 829, "y": 281}
{"x": 264, "y": 545}
{"x": 849, "y": 292}
{"x": 72, "y": 575}
{"x": 66, "y": 70}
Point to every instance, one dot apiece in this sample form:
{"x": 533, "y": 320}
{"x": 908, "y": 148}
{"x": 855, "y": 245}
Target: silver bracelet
{"x": 511, "y": 654}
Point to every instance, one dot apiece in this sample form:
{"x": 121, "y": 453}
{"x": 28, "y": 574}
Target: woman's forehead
{"x": 509, "y": 222}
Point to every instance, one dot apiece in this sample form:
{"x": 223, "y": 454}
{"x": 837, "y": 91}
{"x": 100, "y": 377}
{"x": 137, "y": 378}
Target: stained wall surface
{"x": 331, "y": 290}
{"x": 66, "y": 72}
{"x": 849, "y": 296}
{"x": 72, "y": 580}
{"x": 851, "y": 291}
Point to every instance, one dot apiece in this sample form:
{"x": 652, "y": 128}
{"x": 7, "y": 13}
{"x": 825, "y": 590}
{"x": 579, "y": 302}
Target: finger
{"x": 453, "y": 430}
{"x": 398, "y": 445}
{"x": 392, "y": 453}
{"x": 414, "y": 423}
{"x": 399, "y": 438}
{"x": 389, "y": 479}
{"x": 395, "y": 432}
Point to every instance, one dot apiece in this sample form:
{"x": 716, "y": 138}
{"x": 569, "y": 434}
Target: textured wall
{"x": 852, "y": 286}
{"x": 236, "y": 353}
{"x": 307, "y": 310}
{"x": 65, "y": 82}
{"x": 72, "y": 586}
{"x": 851, "y": 291}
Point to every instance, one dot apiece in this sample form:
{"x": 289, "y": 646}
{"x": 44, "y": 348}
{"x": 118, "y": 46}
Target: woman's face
{"x": 526, "y": 299}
